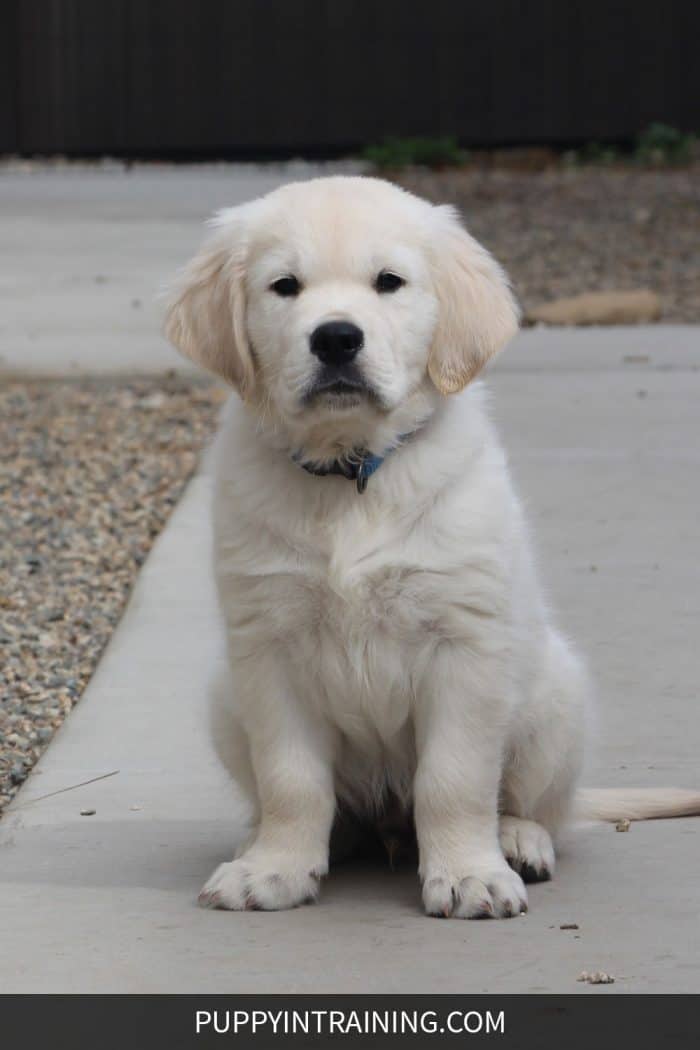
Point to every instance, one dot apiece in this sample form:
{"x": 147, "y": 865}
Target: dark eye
{"x": 388, "y": 282}
{"x": 286, "y": 286}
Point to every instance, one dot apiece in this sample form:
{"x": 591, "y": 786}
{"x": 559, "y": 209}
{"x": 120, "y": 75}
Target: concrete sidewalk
{"x": 603, "y": 433}
{"x": 86, "y": 251}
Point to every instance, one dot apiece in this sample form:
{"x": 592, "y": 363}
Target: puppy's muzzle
{"x": 337, "y": 344}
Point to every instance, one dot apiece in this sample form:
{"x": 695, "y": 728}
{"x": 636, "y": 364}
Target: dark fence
{"x": 250, "y": 77}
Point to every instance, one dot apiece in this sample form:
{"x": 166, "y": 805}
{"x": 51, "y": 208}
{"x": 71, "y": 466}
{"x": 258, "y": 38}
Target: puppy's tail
{"x": 612, "y": 804}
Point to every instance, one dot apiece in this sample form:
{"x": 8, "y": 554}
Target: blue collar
{"x": 358, "y": 468}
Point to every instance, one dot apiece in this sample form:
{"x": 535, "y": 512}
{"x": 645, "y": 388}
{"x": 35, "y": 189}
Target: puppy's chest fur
{"x": 348, "y": 603}
{"x": 354, "y": 595}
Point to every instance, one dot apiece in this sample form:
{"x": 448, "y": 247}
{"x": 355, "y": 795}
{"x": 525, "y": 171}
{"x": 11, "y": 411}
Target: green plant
{"x": 399, "y": 153}
{"x": 663, "y": 144}
{"x": 591, "y": 153}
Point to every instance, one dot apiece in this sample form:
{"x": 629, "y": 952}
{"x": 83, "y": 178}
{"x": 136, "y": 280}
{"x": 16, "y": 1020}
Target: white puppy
{"x": 391, "y": 655}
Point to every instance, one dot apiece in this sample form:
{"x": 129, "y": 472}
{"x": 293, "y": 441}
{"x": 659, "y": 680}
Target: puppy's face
{"x": 335, "y": 302}
{"x": 341, "y": 310}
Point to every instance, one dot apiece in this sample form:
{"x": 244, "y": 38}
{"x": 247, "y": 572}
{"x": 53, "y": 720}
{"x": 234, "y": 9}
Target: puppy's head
{"x": 338, "y": 300}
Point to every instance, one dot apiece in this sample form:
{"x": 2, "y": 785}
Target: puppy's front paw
{"x": 496, "y": 893}
{"x": 259, "y": 884}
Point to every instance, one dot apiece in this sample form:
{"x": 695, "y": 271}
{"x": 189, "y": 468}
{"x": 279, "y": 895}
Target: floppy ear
{"x": 205, "y": 316}
{"x": 478, "y": 313}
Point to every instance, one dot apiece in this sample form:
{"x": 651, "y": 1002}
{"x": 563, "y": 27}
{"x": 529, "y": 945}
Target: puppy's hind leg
{"x": 543, "y": 762}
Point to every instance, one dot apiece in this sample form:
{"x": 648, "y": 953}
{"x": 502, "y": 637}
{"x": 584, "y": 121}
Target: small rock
{"x": 637, "y": 307}
{"x": 598, "y": 977}
{"x": 569, "y": 926}
{"x": 622, "y": 825}
{"x": 155, "y": 400}
{"x": 88, "y": 812}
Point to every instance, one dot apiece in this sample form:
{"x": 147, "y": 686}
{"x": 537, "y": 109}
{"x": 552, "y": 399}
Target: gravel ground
{"x": 89, "y": 473}
{"x": 563, "y": 232}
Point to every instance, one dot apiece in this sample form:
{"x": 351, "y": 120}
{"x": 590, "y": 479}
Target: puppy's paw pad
{"x": 499, "y": 894}
{"x": 226, "y": 888}
{"x": 496, "y": 894}
{"x": 438, "y": 897}
{"x": 528, "y": 848}
{"x": 254, "y": 886}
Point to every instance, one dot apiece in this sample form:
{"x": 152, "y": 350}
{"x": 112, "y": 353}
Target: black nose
{"x": 336, "y": 342}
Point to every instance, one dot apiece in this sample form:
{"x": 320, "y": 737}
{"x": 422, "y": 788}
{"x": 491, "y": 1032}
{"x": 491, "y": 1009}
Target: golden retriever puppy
{"x": 392, "y": 659}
